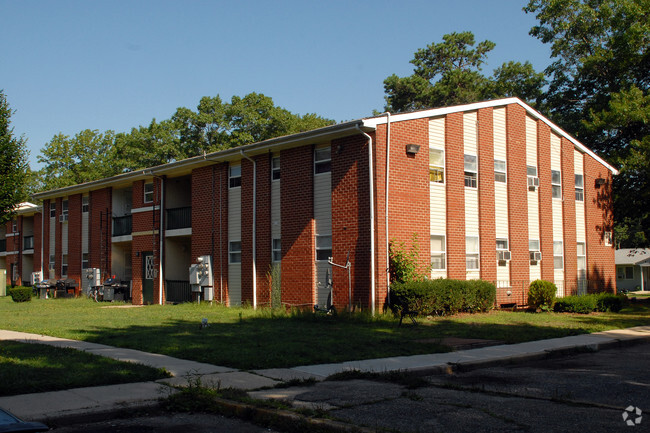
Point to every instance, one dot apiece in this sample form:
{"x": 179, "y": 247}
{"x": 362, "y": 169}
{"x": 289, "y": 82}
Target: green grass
{"x": 247, "y": 339}
{"x": 28, "y": 368}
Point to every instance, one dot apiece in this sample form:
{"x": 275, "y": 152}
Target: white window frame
{"x": 276, "y": 250}
{"x": 471, "y": 171}
{"x": 471, "y": 255}
{"x": 147, "y": 196}
{"x": 234, "y": 176}
{"x": 323, "y": 247}
{"x": 556, "y": 184}
{"x": 14, "y": 225}
{"x": 322, "y": 160}
{"x": 52, "y": 210}
{"x": 234, "y": 252}
{"x": 580, "y": 187}
{"x": 581, "y": 253}
{"x": 275, "y": 168}
{"x": 52, "y": 262}
{"x": 436, "y": 170}
{"x": 558, "y": 255}
{"x": 64, "y": 210}
{"x": 85, "y": 204}
{"x": 438, "y": 255}
{"x": 500, "y": 171}
{"x": 64, "y": 265}
{"x": 607, "y": 238}
{"x": 84, "y": 261}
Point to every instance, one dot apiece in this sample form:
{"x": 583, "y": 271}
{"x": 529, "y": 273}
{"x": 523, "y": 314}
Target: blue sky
{"x": 69, "y": 65}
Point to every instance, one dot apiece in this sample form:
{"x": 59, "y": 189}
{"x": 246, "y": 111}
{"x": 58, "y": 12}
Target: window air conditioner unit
{"x": 533, "y": 182}
{"x": 535, "y": 256}
{"x": 63, "y": 217}
{"x": 503, "y": 255}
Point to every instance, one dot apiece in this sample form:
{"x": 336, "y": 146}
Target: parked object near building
{"x": 491, "y": 190}
{"x": 633, "y": 269}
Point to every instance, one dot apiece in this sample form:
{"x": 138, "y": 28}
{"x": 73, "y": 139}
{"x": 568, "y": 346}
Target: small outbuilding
{"x": 632, "y": 269}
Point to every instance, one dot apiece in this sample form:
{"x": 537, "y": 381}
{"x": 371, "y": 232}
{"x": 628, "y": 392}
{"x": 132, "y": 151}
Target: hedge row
{"x": 442, "y": 296}
{"x": 20, "y": 293}
{"x": 586, "y": 304}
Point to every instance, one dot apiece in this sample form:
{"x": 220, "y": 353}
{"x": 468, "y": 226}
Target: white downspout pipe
{"x": 372, "y": 222}
{"x": 162, "y": 240}
{"x": 386, "y": 203}
{"x": 42, "y": 239}
{"x": 254, "y": 225}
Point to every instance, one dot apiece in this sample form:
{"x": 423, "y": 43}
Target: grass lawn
{"x": 27, "y": 368}
{"x": 247, "y": 339}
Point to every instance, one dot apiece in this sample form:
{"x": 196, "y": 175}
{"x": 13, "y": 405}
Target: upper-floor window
{"x": 580, "y": 188}
{"x": 323, "y": 247}
{"x": 64, "y": 210}
{"x": 471, "y": 172}
{"x": 276, "y": 249}
{"x": 607, "y": 238}
{"x": 148, "y": 192}
{"x": 52, "y": 210}
{"x": 275, "y": 168}
{"x": 437, "y": 166}
{"x": 14, "y": 225}
{"x": 84, "y": 261}
{"x": 499, "y": 171}
{"x": 472, "y": 252}
{"x": 322, "y": 160}
{"x": 556, "y": 183}
{"x": 533, "y": 180}
{"x": 84, "y": 204}
{"x": 234, "y": 176}
{"x": 438, "y": 252}
{"x": 234, "y": 252}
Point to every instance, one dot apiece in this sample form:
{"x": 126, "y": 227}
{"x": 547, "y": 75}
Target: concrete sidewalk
{"x": 48, "y": 406}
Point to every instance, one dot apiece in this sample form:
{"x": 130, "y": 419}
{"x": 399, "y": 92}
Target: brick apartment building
{"x": 490, "y": 190}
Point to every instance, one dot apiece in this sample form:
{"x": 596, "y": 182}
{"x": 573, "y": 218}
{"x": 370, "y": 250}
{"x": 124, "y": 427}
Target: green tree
{"x": 600, "y": 91}
{"x": 13, "y": 164}
{"x": 449, "y": 73}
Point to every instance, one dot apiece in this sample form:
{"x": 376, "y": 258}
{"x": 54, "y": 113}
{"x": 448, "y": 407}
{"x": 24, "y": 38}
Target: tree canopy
{"x": 13, "y": 164}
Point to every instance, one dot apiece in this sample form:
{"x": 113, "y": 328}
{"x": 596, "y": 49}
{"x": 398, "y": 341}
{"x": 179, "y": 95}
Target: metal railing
{"x": 122, "y": 226}
{"x": 179, "y": 218}
{"x": 28, "y": 243}
{"x": 178, "y": 291}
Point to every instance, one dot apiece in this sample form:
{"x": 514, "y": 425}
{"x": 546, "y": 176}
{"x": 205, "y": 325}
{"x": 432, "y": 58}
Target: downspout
{"x": 372, "y": 222}
{"x": 42, "y": 237}
{"x": 162, "y": 240}
{"x": 386, "y": 204}
{"x": 254, "y": 225}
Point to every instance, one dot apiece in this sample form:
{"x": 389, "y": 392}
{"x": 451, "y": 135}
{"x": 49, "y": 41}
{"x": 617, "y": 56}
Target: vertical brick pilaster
{"x": 486, "y": 200}
{"x": 455, "y": 179}
{"x": 569, "y": 218}
{"x": 263, "y": 228}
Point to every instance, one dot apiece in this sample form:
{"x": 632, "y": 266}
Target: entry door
{"x": 148, "y": 273}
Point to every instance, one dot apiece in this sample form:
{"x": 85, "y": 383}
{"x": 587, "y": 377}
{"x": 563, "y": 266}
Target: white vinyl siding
{"x": 535, "y": 271}
{"x": 84, "y": 228}
{"x": 322, "y": 219}
{"x": 580, "y": 205}
{"x": 470, "y": 150}
{"x": 531, "y": 141}
{"x": 501, "y": 191}
{"x": 234, "y": 235}
{"x": 437, "y": 197}
{"x": 64, "y": 230}
{"x": 276, "y": 215}
{"x": 52, "y": 243}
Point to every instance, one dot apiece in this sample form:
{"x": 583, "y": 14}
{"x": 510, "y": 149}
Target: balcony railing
{"x": 28, "y": 243}
{"x": 122, "y": 226}
{"x": 179, "y": 218}
{"x": 3, "y": 245}
{"x": 178, "y": 291}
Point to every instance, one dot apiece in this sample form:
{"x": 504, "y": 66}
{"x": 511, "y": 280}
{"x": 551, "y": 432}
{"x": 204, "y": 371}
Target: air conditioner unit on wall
{"x": 535, "y": 256}
{"x": 63, "y": 217}
{"x": 533, "y": 182}
{"x": 503, "y": 255}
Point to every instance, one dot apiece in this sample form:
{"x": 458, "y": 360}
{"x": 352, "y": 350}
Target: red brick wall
{"x": 487, "y": 226}
{"x": 601, "y": 269}
{"x": 517, "y": 197}
{"x": 263, "y": 228}
{"x": 545, "y": 195}
{"x": 297, "y": 208}
{"x": 455, "y": 180}
{"x": 351, "y": 221}
{"x": 569, "y": 218}
{"x": 74, "y": 239}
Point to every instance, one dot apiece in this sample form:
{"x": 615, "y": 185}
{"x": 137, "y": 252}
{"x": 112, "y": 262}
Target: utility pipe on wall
{"x": 386, "y": 204}
{"x": 254, "y": 225}
{"x": 372, "y": 222}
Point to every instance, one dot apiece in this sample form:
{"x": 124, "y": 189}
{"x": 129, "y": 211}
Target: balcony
{"x": 179, "y": 218}
{"x": 28, "y": 243}
{"x": 122, "y": 226}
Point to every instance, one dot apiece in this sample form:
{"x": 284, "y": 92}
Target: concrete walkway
{"x": 48, "y": 406}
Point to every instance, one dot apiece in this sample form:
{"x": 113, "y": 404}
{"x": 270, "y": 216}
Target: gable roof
{"x": 633, "y": 256}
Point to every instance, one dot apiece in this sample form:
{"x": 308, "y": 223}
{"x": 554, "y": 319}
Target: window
{"x": 558, "y": 255}
{"x": 14, "y": 225}
{"x": 323, "y": 247}
{"x": 470, "y": 171}
{"x": 276, "y": 250}
{"x": 64, "y": 265}
{"x": 499, "y": 171}
{"x": 581, "y": 252}
{"x": 437, "y": 252}
{"x": 148, "y": 192}
{"x": 503, "y": 254}
{"x": 84, "y": 261}
{"x": 51, "y": 266}
{"x": 234, "y": 176}
{"x": 533, "y": 249}
{"x": 533, "y": 180}
{"x": 531, "y": 171}
{"x": 84, "y": 204}
{"x": 580, "y": 188}
{"x": 625, "y": 272}
{"x": 234, "y": 252}
{"x": 607, "y": 237}
{"x": 64, "y": 210}
{"x": 556, "y": 183}
{"x": 52, "y": 210}
{"x": 322, "y": 160}
{"x": 533, "y": 245}
{"x": 437, "y": 166}
{"x": 502, "y": 244}
{"x": 275, "y": 168}
{"x": 471, "y": 253}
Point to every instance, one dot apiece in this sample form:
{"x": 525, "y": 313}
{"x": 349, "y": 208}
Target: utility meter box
{"x": 201, "y": 277}
{"x": 36, "y": 278}
{"x": 91, "y": 278}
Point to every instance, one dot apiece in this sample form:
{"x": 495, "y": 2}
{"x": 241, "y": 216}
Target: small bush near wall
{"x": 20, "y": 294}
{"x": 541, "y": 294}
{"x": 586, "y": 304}
{"x": 610, "y": 302}
{"x": 442, "y": 296}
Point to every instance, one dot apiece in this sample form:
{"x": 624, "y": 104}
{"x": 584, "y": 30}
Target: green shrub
{"x": 20, "y": 294}
{"x": 609, "y": 302}
{"x": 541, "y": 294}
{"x": 442, "y": 296}
{"x": 583, "y": 304}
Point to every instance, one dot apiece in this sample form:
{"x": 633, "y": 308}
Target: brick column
{"x": 486, "y": 201}
{"x": 455, "y": 180}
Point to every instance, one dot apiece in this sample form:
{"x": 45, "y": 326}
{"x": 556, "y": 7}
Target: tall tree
{"x": 449, "y": 73}
{"x": 13, "y": 164}
{"x": 600, "y": 90}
